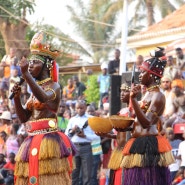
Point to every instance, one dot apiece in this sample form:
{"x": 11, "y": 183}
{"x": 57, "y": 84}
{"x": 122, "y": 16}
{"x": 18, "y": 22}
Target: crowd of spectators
{"x": 12, "y": 131}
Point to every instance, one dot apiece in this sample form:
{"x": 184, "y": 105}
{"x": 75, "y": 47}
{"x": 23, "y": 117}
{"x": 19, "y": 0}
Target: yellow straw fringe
{"x": 115, "y": 159}
{"x": 53, "y": 166}
{"x": 19, "y": 154}
{"x": 130, "y": 161}
{"x": 57, "y": 179}
{"x": 53, "y": 149}
{"x": 135, "y": 160}
{"x": 21, "y": 181}
{"x": 166, "y": 159}
{"x": 45, "y": 167}
{"x": 21, "y": 169}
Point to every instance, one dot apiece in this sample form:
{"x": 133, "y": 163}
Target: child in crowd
{"x": 62, "y": 121}
{"x": 175, "y": 147}
{"x": 2, "y": 160}
{"x": 12, "y": 142}
{"x": 180, "y": 177}
{"x": 3, "y": 137}
{"x": 8, "y": 170}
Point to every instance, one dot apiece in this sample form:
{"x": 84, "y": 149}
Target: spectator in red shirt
{"x": 8, "y": 170}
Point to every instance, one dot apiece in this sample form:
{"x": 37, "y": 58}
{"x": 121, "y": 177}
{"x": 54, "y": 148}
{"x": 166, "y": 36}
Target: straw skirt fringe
{"x": 115, "y": 159}
{"x": 53, "y": 167}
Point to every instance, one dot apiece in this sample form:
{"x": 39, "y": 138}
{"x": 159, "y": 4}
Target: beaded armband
{"x": 54, "y": 94}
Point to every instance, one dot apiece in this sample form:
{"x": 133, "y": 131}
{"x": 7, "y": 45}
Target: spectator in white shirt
{"x": 181, "y": 151}
{"x": 81, "y": 135}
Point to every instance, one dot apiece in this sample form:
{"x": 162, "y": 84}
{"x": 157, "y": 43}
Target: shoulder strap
{"x": 85, "y": 125}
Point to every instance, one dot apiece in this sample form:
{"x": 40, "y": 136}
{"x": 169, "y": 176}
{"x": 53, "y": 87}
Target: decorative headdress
{"x": 124, "y": 86}
{"x": 155, "y": 65}
{"x": 42, "y": 51}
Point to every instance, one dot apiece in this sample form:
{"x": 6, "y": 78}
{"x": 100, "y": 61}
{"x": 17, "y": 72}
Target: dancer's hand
{"x": 135, "y": 91}
{"x": 23, "y": 63}
{"x": 16, "y": 89}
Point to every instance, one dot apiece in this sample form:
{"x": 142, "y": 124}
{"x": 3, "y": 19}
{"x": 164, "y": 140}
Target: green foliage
{"x": 92, "y": 92}
{"x": 17, "y": 9}
{"x": 97, "y": 36}
{"x": 142, "y": 10}
{"x": 2, "y": 50}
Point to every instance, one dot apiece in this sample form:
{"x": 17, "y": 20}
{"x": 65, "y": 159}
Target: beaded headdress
{"x": 124, "y": 86}
{"x": 156, "y": 64}
{"x": 39, "y": 46}
{"x": 42, "y": 51}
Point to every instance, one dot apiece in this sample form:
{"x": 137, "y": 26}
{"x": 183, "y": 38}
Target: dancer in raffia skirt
{"x": 147, "y": 154}
{"x": 45, "y": 157}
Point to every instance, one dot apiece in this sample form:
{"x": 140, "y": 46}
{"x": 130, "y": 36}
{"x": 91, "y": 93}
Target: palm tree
{"x": 164, "y": 6}
{"x": 16, "y": 31}
{"x": 89, "y": 17}
{"x": 99, "y": 37}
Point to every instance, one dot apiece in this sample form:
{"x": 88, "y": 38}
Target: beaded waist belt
{"x": 41, "y": 126}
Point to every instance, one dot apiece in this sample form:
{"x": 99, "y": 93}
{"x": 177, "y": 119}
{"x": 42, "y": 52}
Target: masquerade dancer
{"x": 147, "y": 154}
{"x": 45, "y": 157}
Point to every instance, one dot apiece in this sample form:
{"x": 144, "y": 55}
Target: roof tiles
{"x": 173, "y": 20}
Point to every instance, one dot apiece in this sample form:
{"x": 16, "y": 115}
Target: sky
{"x": 52, "y": 12}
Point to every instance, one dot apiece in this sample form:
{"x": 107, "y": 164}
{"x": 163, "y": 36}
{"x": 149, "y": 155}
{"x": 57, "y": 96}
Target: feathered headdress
{"x": 44, "y": 52}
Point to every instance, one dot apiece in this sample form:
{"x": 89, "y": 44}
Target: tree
{"x": 2, "y": 50}
{"x": 13, "y": 24}
{"x": 99, "y": 37}
{"x": 17, "y": 33}
{"x": 89, "y": 18}
{"x": 164, "y": 6}
{"x": 92, "y": 94}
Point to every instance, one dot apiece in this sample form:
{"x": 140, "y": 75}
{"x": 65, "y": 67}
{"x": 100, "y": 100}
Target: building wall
{"x": 146, "y": 50}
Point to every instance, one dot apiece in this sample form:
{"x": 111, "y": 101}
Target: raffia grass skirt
{"x": 115, "y": 159}
{"x": 147, "y": 151}
{"x": 146, "y": 161}
{"x": 53, "y": 167}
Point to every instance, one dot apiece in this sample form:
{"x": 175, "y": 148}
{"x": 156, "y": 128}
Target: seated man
{"x": 178, "y": 115}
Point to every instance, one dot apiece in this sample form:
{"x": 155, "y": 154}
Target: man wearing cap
{"x": 169, "y": 95}
{"x": 5, "y": 126}
{"x": 104, "y": 83}
{"x": 170, "y": 70}
{"x": 5, "y": 121}
{"x": 178, "y": 114}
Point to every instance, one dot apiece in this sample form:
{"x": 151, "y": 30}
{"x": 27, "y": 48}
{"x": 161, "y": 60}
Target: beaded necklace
{"x": 152, "y": 87}
{"x": 43, "y": 81}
